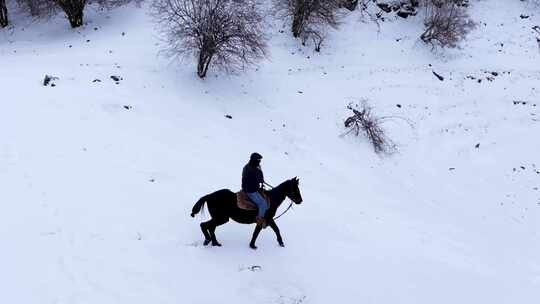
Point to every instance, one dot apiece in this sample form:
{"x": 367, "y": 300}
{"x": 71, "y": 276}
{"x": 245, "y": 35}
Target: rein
{"x": 290, "y": 205}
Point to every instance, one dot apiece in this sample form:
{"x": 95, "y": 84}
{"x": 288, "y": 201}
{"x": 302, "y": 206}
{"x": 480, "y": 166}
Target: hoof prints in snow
{"x": 252, "y": 268}
{"x": 291, "y": 300}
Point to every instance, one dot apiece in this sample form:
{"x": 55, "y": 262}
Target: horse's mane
{"x": 278, "y": 190}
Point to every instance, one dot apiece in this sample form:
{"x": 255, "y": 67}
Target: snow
{"x": 98, "y": 178}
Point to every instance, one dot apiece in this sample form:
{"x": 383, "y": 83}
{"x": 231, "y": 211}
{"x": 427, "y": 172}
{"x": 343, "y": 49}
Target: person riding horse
{"x": 223, "y": 204}
{"x": 253, "y": 184}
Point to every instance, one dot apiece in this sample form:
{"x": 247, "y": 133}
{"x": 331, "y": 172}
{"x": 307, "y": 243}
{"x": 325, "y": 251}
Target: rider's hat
{"x": 255, "y": 156}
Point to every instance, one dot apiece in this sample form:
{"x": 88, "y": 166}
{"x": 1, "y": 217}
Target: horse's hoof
{"x": 252, "y": 246}
{"x": 281, "y": 245}
{"x": 216, "y": 244}
{"x": 206, "y": 242}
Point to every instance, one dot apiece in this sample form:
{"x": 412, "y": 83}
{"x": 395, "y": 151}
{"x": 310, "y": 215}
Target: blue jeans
{"x": 257, "y": 198}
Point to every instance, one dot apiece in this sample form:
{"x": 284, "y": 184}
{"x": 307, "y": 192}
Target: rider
{"x": 252, "y": 183}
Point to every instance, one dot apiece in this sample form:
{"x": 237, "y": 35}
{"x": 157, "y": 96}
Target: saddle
{"x": 243, "y": 201}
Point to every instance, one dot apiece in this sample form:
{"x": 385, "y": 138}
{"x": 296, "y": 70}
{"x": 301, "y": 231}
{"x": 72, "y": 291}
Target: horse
{"x": 222, "y": 206}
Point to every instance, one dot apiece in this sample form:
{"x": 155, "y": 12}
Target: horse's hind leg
{"x": 205, "y": 229}
{"x": 212, "y": 224}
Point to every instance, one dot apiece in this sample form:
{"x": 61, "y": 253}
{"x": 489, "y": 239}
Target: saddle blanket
{"x": 243, "y": 201}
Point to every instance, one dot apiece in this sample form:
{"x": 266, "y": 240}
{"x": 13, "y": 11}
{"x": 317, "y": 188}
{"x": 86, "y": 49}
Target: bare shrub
{"x": 73, "y": 9}
{"x": 447, "y": 22}
{"x": 364, "y": 122}
{"x": 4, "y": 21}
{"x": 225, "y": 33}
{"x": 38, "y": 8}
{"x": 310, "y": 19}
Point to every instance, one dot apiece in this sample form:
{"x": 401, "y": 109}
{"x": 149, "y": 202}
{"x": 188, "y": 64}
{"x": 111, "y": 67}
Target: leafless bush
{"x": 4, "y": 21}
{"x": 73, "y": 9}
{"x": 363, "y": 121}
{"x": 225, "y": 33}
{"x": 447, "y": 22}
{"x": 310, "y": 18}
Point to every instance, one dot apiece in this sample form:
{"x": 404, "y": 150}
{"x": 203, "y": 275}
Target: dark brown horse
{"x": 222, "y": 206}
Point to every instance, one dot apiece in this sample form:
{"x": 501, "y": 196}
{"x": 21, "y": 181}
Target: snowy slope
{"x": 97, "y": 178}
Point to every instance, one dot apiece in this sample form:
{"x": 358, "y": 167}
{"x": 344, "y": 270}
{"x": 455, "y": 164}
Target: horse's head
{"x": 293, "y": 190}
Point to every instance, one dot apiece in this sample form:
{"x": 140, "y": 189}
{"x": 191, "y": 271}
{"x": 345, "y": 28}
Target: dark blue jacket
{"x": 252, "y": 177}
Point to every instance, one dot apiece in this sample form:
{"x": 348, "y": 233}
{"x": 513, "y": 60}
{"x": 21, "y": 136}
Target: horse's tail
{"x": 198, "y": 205}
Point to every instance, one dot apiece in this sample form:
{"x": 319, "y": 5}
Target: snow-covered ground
{"x": 97, "y": 179}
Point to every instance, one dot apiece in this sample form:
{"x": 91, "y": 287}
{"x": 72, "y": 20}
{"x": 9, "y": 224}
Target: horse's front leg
{"x": 254, "y": 237}
{"x": 274, "y": 227}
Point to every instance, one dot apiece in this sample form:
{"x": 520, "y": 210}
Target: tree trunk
{"x": 296, "y": 27}
{"x": 74, "y": 10}
{"x": 427, "y": 35}
{"x": 3, "y": 14}
{"x": 203, "y": 64}
{"x": 297, "y": 24}
{"x": 76, "y": 18}
{"x": 298, "y": 18}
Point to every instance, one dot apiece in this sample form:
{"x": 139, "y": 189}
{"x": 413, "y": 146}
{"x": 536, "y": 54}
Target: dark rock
{"x": 96, "y": 80}
{"x": 398, "y": 105}
{"x": 228, "y": 116}
{"x": 406, "y": 10}
{"x": 522, "y": 16}
{"x": 403, "y": 14}
{"x": 116, "y": 78}
{"x": 438, "y": 76}
{"x": 477, "y": 146}
{"x": 385, "y": 7}
{"x": 48, "y": 80}
{"x": 127, "y": 107}
{"x": 349, "y": 4}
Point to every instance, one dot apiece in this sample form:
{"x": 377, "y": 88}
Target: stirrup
{"x": 261, "y": 222}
